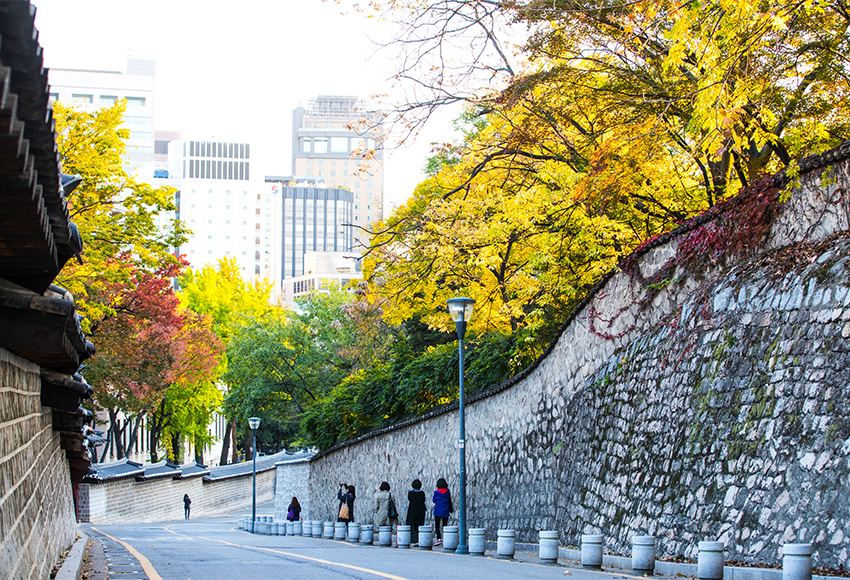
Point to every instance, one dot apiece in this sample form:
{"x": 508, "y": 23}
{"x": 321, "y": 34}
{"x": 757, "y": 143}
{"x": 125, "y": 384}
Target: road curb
{"x": 72, "y": 565}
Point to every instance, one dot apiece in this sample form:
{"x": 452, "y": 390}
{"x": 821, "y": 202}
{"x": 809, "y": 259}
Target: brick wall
{"x": 36, "y": 508}
{"x": 128, "y": 500}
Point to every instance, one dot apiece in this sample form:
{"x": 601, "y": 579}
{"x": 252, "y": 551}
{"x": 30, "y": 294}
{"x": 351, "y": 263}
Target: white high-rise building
{"x": 230, "y": 214}
{"x": 94, "y": 89}
{"x": 336, "y": 139}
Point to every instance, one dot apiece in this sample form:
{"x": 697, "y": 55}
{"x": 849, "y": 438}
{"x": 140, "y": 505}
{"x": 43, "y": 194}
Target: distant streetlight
{"x": 461, "y": 311}
{"x": 254, "y": 422}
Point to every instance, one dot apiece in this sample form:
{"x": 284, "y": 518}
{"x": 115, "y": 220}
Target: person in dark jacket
{"x": 415, "y": 510}
{"x": 186, "y": 503}
{"x": 442, "y": 508}
{"x": 346, "y": 495}
{"x": 294, "y": 512}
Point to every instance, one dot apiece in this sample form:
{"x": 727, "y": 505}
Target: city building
{"x": 313, "y": 218}
{"x": 230, "y": 214}
{"x": 335, "y": 138}
{"x": 321, "y": 269}
{"x": 94, "y": 89}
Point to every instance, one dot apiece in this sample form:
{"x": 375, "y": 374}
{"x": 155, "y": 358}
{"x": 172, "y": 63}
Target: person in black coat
{"x": 346, "y": 494}
{"x": 186, "y": 503}
{"x": 416, "y": 510}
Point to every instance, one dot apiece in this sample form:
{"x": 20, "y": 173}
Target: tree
{"x": 117, "y": 215}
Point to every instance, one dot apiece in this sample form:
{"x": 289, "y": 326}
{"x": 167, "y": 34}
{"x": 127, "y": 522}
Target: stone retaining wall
{"x": 37, "y": 520}
{"x": 718, "y": 411}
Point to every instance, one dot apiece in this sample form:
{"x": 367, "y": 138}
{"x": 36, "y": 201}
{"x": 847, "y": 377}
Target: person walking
{"x": 385, "y": 511}
{"x": 186, "y": 503}
{"x": 442, "y": 508}
{"x": 415, "y": 510}
{"x": 346, "y": 496}
{"x": 293, "y": 514}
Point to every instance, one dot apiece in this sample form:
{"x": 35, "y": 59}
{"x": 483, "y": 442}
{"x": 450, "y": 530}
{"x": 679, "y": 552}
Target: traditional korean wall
{"x": 719, "y": 410}
{"x": 37, "y": 520}
{"x": 127, "y": 500}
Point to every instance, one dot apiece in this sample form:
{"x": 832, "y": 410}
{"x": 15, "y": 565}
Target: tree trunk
{"x": 117, "y": 433}
{"x": 225, "y": 444}
{"x": 176, "y": 456}
{"x": 233, "y": 434}
{"x": 135, "y": 422}
{"x": 199, "y": 451}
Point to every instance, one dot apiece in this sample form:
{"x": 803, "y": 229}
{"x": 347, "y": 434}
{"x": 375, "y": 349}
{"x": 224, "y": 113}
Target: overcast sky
{"x": 237, "y": 69}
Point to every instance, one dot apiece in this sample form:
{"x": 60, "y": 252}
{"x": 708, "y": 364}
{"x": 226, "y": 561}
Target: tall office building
{"x": 229, "y": 214}
{"x": 336, "y": 139}
{"x": 93, "y": 89}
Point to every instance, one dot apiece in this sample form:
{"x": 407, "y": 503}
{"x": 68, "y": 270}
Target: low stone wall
{"x": 293, "y": 480}
{"x": 717, "y": 410}
{"x": 128, "y": 500}
{"x": 37, "y": 520}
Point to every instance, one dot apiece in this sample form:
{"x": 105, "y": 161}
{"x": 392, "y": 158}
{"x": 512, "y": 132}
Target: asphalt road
{"x": 214, "y": 549}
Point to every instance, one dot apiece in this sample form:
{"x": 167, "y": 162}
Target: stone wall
{"x": 717, "y": 407}
{"x": 293, "y": 480}
{"x": 156, "y": 500}
{"x": 37, "y": 520}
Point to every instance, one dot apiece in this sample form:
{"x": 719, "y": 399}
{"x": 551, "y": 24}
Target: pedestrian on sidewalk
{"x": 442, "y": 508}
{"x": 346, "y": 496}
{"x": 415, "y": 510}
{"x": 294, "y": 512}
{"x": 186, "y": 503}
{"x": 385, "y": 511}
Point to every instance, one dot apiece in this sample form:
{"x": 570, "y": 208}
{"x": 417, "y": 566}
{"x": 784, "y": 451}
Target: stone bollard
{"x": 403, "y": 536}
{"x": 643, "y": 554}
{"x": 451, "y": 536}
{"x": 328, "y": 530}
{"x": 275, "y": 529}
{"x": 591, "y": 551}
{"x": 317, "y": 529}
{"x": 340, "y": 530}
{"x": 353, "y": 532}
{"x": 366, "y": 534}
{"x": 476, "y": 541}
{"x": 797, "y": 562}
{"x": 548, "y": 546}
{"x": 307, "y": 529}
{"x": 385, "y": 536}
{"x": 298, "y": 528}
{"x": 426, "y": 537}
{"x": 290, "y": 528}
{"x": 506, "y": 544}
{"x": 710, "y": 561}
{"x": 266, "y": 528}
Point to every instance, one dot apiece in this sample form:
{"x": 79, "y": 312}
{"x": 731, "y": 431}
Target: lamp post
{"x": 254, "y": 422}
{"x": 461, "y": 311}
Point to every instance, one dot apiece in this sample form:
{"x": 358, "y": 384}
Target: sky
{"x": 236, "y": 70}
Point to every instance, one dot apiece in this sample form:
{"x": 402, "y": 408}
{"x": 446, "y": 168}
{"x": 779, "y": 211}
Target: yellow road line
{"x": 146, "y": 564}
{"x": 349, "y": 566}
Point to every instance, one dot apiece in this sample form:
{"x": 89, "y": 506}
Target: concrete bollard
{"x": 643, "y": 554}
{"x": 506, "y": 544}
{"x": 451, "y": 536}
{"x": 340, "y": 530}
{"x": 591, "y": 551}
{"x": 317, "y": 529}
{"x": 307, "y": 529}
{"x": 710, "y": 561}
{"x": 275, "y": 529}
{"x": 290, "y": 528}
{"x": 267, "y": 528}
{"x": 548, "y": 546}
{"x": 476, "y": 541}
{"x": 403, "y": 536}
{"x": 328, "y": 530}
{"x": 797, "y": 562}
{"x": 353, "y": 532}
{"x": 385, "y": 536}
{"x": 298, "y": 528}
{"x": 366, "y": 534}
{"x": 426, "y": 537}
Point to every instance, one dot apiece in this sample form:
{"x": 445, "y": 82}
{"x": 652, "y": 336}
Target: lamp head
{"x": 461, "y": 308}
{"x": 254, "y": 422}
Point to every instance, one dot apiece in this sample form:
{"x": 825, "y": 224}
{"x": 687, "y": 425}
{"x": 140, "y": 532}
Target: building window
{"x": 307, "y": 161}
{"x": 227, "y": 207}
{"x": 357, "y": 218}
{"x": 80, "y": 98}
{"x": 135, "y": 101}
{"x": 321, "y": 161}
{"x": 356, "y": 206}
{"x": 368, "y": 218}
{"x": 305, "y": 147}
{"x": 244, "y": 207}
{"x": 108, "y": 99}
{"x": 356, "y": 184}
{"x": 345, "y": 172}
{"x": 209, "y": 237}
{"x": 333, "y": 172}
{"x": 369, "y": 185}
{"x": 357, "y": 194}
{"x": 54, "y": 97}
{"x": 308, "y": 173}
{"x": 209, "y": 221}
{"x": 227, "y": 222}
{"x": 320, "y": 145}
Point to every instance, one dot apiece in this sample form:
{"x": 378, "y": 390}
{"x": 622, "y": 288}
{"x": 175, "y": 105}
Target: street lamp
{"x": 254, "y": 422}
{"x": 461, "y": 311}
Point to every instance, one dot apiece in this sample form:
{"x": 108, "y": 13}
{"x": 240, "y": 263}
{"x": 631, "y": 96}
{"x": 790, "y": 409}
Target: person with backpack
{"x": 442, "y": 508}
{"x": 294, "y": 512}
